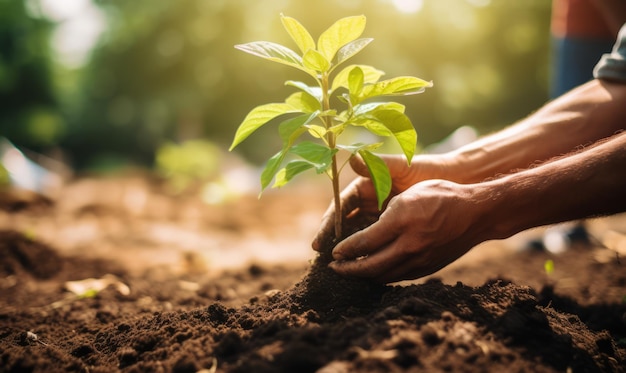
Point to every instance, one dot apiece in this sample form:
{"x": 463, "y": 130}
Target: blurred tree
{"x": 157, "y": 75}
{"x": 29, "y": 111}
{"x": 167, "y": 70}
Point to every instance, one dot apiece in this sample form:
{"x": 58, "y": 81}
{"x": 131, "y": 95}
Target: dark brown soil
{"x": 498, "y": 313}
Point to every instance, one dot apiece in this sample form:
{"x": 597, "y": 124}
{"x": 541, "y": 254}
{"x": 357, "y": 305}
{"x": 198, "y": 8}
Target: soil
{"x": 194, "y": 287}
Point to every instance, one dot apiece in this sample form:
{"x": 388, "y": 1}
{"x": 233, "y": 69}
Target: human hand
{"x": 358, "y": 199}
{"x": 422, "y": 230}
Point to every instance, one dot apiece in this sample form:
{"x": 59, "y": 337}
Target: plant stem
{"x": 336, "y": 192}
{"x": 331, "y": 138}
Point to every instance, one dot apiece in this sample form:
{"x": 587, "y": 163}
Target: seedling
{"x": 309, "y": 111}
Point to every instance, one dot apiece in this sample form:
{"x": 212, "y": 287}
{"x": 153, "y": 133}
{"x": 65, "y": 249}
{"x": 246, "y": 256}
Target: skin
{"x": 566, "y": 161}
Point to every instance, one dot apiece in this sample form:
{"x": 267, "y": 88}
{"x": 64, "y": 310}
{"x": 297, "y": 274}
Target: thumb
{"x": 359, "y": 166}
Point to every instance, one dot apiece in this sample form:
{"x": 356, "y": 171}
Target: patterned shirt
{"x": 612, "y": 66}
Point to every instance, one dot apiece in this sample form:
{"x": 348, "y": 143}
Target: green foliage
{"x": 310, "y": 112}
{"x": 29, "y": 110}
{"x": 166, "y": 70}
{"x": 189, "y": 162}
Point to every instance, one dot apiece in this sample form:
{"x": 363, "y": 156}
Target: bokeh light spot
{"x": 408, "y": 6}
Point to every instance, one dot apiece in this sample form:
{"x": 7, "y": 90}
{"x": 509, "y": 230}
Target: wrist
{"x": 436, "y": 166}
{"x": 491, "y": 210}
{"x": 499, "y": 208}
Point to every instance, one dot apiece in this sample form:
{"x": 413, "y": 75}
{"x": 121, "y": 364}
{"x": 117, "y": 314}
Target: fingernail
{"x": 337, "y": 255}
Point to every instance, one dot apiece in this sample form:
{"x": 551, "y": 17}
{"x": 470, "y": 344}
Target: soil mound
{"x": 22, "y": 255}
{"x": 496, "y": 327}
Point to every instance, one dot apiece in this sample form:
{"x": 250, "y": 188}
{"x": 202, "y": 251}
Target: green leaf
{"x": 292, "y": 169}
{"x": 402, "y": 129}
{"x": 270, "y": 170}
{"x": 370, "y": 75}
{"x": 275, "y": 52}
{"x": 318, "y": 155}
{"x": 351, "y": 49}
{"x": 364, "y": 115}
{"x": 315, "y": 61}
{"x": 400, "y": 86}
{"x": 339, "y": 34}
{"x": 298, "y": 33}
{"x": 304, "y": 102}
{"x": 364, "y": 109}
{"x": 379, "y": 173}
{"x": 316, "y": 131}
{"x": 355, "y": 81}
{"x": 258, "y": 117}
{"x": 289, "y": 131}
{"x": 356, "y": 147}
{"x": 385, "y": 119}
{"x": 313, "y": 91}
{"x": 329, "y": 113}
{"x": 374, "y": 126}
{"x": 338, "y": 129}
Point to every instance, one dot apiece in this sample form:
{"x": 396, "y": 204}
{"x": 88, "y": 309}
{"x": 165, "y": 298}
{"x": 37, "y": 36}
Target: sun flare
{"x": 408, "y": 6}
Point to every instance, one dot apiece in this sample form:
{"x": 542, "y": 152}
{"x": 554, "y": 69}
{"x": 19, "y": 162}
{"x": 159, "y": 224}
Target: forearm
{"x": 585, "y": 115}
{"x": 591, "y": 182}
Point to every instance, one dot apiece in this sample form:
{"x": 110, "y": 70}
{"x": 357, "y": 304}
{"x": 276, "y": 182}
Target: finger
{"x": 374, "y": 266}
{"x": 410, "y": 269}
{"x": 350, "y": 201}
{"x": 424, "y": 261}
{"x": 325, "y": 230}
{"x": 389, "y": 264}
{"x": 358, "y": 165}
{"x": 421, "y": 262}
{"x": 365, "y": 242}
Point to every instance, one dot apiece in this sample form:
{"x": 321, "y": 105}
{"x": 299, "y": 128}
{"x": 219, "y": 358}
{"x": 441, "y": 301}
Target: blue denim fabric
{"x": 574, "y": 60}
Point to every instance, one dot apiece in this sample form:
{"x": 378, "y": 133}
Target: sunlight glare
{"x": 79, "y": 26}
{"x": 408, "y": 6}
{"x": 479, "y": 3}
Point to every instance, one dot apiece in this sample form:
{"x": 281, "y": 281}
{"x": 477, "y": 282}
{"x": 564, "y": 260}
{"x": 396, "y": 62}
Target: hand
{"x": 423, "y": 229}
{"x": 358, "y": 200}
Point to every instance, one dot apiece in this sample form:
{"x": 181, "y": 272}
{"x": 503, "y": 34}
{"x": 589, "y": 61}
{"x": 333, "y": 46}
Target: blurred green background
{"x": 110, "y": 82}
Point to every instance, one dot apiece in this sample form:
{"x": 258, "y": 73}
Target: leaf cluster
{"x": 308, "y": 111}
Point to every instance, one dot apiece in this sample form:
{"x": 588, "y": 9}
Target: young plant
{"x": 309, "y": 110}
